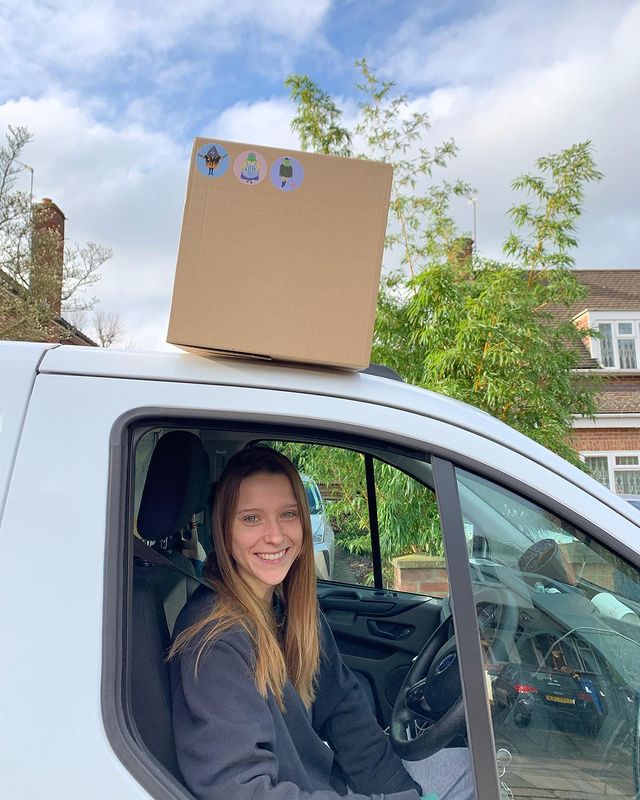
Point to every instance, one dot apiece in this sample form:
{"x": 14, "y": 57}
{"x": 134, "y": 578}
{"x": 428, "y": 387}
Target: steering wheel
{"x": 429, "y": 709}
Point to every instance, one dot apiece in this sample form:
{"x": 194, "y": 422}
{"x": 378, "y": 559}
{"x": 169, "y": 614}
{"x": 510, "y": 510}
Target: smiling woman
{"x": 260, "y": 513}
{"x": 259, "y": 686}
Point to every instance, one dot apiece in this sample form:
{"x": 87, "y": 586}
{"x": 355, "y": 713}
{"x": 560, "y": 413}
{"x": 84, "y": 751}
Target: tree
{"x": 40, "y": 276}
{"x": 481, "y": 331}
{"x": 317, "y": 121}
{"x": 103, "y": 327}
{"x": 107, "y": 327}
{"x": 471, "y": 328}
{"x": 389, "y": 132}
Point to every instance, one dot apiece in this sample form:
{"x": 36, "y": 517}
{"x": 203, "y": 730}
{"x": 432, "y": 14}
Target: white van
{"x": 108, "y": 464}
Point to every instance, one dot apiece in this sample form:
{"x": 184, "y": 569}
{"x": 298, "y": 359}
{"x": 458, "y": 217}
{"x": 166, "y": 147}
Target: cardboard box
{"x": 280, "y": 254}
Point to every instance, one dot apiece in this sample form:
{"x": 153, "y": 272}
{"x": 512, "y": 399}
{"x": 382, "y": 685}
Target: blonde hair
{"x": 236, "y": 604}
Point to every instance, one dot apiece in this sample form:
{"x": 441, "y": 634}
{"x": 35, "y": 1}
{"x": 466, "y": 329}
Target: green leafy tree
{"x": 483, "y": 332}
{"x": 421, "y": 227}
{"x": 317, "y": 120}
{"x": 31, "y": 281}
{"x": 478, "y": 330}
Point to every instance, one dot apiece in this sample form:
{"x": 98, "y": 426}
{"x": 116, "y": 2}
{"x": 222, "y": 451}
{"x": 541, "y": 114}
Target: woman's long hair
{"x": 236, "y": 605}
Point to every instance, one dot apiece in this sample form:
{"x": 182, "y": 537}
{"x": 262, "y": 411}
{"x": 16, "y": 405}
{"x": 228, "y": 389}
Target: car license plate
{"x": 554, "y": 698}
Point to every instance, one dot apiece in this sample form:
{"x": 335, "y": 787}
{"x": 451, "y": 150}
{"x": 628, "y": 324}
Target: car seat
{"x": 177, "y": 486}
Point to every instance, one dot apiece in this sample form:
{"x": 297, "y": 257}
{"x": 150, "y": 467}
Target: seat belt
{"x": 151, "y": 556}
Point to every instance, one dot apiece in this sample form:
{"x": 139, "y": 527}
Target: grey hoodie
{"x": 233, "y": 744}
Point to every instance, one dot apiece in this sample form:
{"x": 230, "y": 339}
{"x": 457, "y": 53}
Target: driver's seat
{"x": 176, "y": 488}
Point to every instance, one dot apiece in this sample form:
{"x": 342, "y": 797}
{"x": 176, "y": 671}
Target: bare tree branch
{"x": 107, "y": 326}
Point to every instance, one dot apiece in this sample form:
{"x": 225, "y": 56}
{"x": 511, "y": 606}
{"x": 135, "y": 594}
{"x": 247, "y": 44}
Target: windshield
{"x": 506, "y": 527}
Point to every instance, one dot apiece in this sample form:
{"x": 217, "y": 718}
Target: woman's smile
{"x": 271, "y": 556}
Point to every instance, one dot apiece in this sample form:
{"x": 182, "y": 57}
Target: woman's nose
{"x": 272, "y": 532}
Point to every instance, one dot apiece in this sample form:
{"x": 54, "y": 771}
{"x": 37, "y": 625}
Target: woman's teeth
{"x": 271, "y": 556}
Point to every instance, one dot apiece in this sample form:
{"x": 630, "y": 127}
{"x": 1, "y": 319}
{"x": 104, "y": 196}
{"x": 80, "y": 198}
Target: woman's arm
{"x": 343, "y": 716}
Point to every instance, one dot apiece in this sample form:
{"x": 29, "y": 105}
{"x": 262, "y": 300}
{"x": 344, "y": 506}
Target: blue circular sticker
{"x": 287, "y": 174}
{"x": 212, "y": 160}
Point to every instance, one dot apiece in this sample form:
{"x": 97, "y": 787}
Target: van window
{"x": 561, "y": 638}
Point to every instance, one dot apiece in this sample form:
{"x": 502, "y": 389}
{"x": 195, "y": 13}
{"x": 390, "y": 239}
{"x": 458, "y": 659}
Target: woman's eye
{"x": 250, "y": 518}
{"x": 290, "y": 514}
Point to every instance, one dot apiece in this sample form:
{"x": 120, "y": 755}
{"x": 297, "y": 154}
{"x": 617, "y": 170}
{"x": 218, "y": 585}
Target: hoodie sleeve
{"x": 225, "y": 735}
{"x": 343, "y": 716}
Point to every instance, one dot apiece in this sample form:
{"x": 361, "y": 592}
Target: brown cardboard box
{"x": 280, "y": 254}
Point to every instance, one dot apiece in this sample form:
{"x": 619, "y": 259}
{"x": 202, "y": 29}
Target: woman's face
{"x": 266, "y": 531}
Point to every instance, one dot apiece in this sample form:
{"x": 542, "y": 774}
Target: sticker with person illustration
{"x": 212, "y": 160}
{"x": 250, "y": 167}
{"x": 287, "y": 174}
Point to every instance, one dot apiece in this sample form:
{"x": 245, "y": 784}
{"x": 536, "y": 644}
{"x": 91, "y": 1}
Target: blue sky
{"x": 115, "y": 91}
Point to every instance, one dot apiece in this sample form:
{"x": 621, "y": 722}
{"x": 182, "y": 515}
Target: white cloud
{"x": 297, "y": 21}
{"x": 121, "y": 187}
{"x": 520, "y": 83}
{"x": 38, "y": 40}
{"x": 266, "y": 122}
{"x": 499, "y": 39}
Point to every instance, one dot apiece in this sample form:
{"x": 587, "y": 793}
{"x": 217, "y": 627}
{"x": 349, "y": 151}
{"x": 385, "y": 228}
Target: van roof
{"x": 187, "y": 368}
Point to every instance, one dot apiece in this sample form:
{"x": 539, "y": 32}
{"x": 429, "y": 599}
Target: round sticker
{"x": 250, "y": 167}
{"x": 287, "y": 174}
{"x": 212, "y": 160}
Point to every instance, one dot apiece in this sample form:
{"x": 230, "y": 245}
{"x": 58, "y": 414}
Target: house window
{"x": 619, "y": 471}
{"x": 618, "y": 348}
{"x": 627, "y": 474}
{"x": 599, "y": 468}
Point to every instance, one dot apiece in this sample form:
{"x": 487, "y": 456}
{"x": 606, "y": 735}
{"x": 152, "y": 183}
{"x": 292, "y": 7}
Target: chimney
{"x": 461, "y": 252}
{"x": 466, "y": 248}
{"x": 47, "y": 253}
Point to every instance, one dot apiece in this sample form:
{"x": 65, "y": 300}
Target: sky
{"x": 115, "y": 91}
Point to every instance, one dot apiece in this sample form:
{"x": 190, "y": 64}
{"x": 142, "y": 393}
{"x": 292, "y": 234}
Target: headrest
{"x": 176, "y": 487}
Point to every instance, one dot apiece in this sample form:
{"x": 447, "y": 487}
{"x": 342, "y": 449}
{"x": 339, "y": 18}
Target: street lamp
{"x": 31, "y": 215}
{"x": 473, "y": 200}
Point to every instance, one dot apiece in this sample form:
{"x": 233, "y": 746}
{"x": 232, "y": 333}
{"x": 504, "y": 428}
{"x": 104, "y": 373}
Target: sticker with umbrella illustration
{"x": 212, "y": 160}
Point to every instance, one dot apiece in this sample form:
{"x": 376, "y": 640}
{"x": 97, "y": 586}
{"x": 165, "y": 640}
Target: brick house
{"x": 610, "y": 443}
{"x": 49, "y": 225}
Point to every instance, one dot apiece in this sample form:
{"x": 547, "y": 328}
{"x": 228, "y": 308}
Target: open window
{"x": 365, "y": 497}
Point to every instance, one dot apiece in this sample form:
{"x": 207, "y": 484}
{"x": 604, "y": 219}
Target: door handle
{"x": 389, "y": 630}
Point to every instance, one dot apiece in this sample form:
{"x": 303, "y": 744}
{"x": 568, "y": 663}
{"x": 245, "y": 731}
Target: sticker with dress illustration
{"x": 212, "y": 160}
{"x": 287, "y": 174}
{"x": 250, "y": 167}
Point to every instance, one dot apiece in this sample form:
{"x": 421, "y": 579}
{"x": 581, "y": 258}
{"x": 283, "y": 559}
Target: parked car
{"x": 108, "y": 465}
{"x": 551, "y": 698}
{"x": 323, "y": 535}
